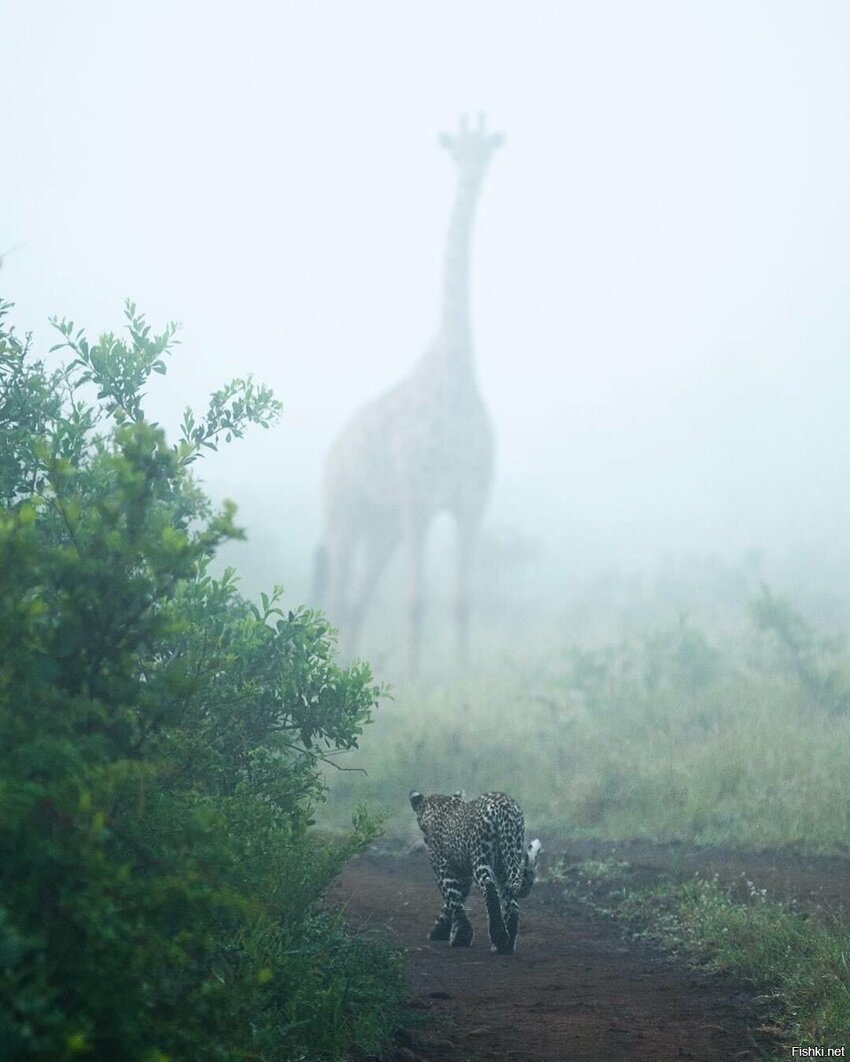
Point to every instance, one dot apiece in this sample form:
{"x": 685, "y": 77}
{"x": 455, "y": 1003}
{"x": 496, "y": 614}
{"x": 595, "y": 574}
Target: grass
{"x": 797, "y": 963}
{"x": 591, "y": 748}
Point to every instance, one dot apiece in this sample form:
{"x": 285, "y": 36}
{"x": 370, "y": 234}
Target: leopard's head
{"x": 430, "y": 809}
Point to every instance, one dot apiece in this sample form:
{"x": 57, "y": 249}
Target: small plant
{"x": 588, "y": 870}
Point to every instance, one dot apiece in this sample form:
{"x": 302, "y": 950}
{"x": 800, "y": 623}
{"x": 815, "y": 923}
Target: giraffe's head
{"x": 472, "y": 149}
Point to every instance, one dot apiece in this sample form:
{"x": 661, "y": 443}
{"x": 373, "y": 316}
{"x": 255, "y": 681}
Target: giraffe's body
{"x": 422, "y": 448}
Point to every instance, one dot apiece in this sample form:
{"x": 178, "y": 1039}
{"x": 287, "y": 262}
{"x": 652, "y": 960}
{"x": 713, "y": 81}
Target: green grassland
{"x": 731, "y": 730}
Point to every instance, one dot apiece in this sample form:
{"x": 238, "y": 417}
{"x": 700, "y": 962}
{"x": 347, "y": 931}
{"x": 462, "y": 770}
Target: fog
{"x": 661, "y": 258}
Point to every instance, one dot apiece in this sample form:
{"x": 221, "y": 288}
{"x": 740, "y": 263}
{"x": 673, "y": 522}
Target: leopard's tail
{"x": 529, "y": 868}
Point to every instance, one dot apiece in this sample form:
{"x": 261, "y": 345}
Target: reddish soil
{"x": 819, "y": 884}
{"x": 576, "y": 989}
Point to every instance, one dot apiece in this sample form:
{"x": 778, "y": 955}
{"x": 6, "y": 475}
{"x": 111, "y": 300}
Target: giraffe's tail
{"x": 320, "y": 575}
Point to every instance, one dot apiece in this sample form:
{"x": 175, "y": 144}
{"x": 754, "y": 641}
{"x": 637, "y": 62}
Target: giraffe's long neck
{"x": 455, "y": 323}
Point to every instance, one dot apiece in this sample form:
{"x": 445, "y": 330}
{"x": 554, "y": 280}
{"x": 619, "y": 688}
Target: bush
{"x": 160, "y": 885}
{"x": 814, "y": 660}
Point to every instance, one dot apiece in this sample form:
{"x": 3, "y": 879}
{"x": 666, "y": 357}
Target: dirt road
{"x": 575, "y": 990}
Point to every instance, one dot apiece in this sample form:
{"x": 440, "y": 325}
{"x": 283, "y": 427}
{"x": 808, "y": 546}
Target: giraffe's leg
{"x": 378, "y": 551}
{"x": 466, "y": 535}
{"x": 320, "y": 576}
{"x": 339, "y": 556}
{"x": 416, "y": 602}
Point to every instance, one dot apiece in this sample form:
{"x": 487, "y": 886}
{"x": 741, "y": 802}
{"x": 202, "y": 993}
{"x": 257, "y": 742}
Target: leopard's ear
{"x": 460, "y": 794}
{"x": 416, "y": 800}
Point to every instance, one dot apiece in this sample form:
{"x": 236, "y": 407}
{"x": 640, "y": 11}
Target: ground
{"x": 578, "y": 987}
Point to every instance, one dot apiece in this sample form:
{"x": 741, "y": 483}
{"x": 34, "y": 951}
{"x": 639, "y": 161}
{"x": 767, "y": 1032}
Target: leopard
{"x": 480, "y": 840}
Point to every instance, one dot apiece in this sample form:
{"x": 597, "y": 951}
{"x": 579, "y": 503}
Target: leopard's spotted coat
{"x": 480, "y": 840}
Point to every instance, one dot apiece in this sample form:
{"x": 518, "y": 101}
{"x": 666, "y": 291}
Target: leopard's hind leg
{"x": 518, "y": 873}
{"x": 484, "y": 878}
{"x": 452, "y": 924}
{"x": 510, "y": 913}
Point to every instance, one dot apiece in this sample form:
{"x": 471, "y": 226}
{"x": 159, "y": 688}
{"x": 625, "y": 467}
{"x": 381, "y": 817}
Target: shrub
{"x": 161, "y": 737}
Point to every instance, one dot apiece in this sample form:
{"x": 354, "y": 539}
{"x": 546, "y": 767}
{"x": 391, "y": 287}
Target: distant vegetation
{"x": 160, "y": 879}
{"x": 714, "y": 732}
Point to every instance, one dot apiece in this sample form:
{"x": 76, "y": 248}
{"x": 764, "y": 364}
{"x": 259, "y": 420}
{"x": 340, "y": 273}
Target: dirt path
{"x": 575, "y": 990}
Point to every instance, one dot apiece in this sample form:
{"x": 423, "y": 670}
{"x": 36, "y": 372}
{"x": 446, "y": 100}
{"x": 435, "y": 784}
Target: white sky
{"x": 661, "y": 263}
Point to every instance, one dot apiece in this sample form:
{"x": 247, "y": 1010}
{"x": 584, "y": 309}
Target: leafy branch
{"x": 231, "y": 409}
{"x": 119, "y": 369}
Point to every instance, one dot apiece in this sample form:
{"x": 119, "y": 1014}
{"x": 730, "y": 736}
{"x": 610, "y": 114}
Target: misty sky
{"x": 661, "y": 268}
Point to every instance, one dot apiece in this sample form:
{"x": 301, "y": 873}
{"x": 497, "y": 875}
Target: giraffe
{"x": 423, "y": 447}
